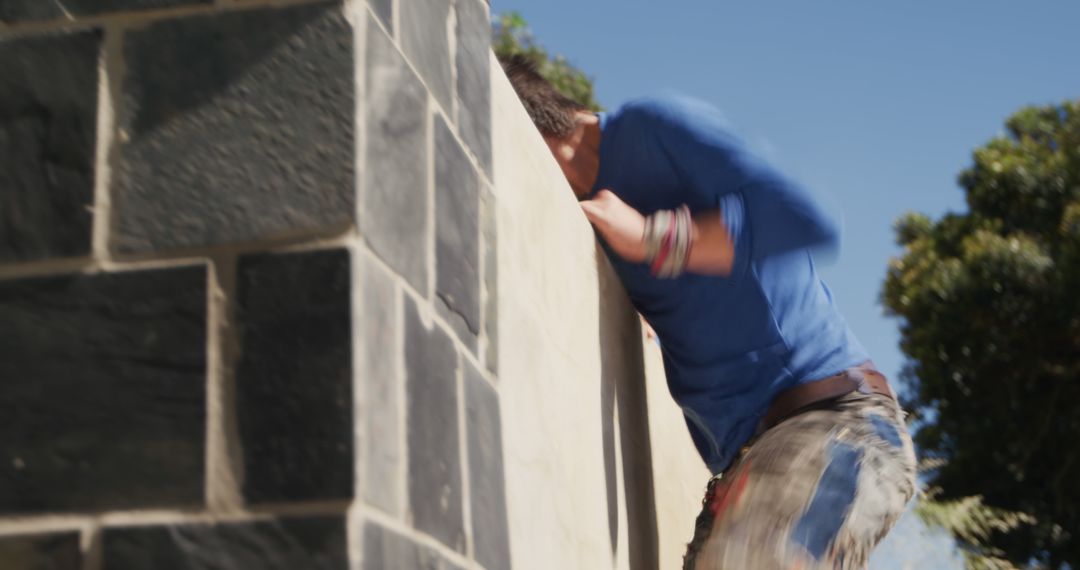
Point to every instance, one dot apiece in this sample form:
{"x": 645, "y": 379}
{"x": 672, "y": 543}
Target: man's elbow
{"x": 830, "y": 234}
{"x": 826, "y": 235}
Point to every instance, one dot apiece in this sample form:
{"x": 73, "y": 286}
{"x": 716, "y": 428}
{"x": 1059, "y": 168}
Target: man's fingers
{"x": 600, "y": 207}
{"x": 592, "y": 210}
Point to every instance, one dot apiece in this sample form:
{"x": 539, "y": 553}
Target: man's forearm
{"x": 713, "y": 251}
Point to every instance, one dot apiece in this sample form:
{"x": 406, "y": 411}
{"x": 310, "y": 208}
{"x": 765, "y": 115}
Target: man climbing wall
{"x": 811, "y": 459}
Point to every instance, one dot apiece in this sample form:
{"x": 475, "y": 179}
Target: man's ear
{"x": 551, "y": 143}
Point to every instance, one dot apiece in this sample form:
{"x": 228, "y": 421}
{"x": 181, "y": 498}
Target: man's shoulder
{"x": 666, "y": 108}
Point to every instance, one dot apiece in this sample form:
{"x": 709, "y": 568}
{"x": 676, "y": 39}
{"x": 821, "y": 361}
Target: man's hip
{"x": 818, "y": 489}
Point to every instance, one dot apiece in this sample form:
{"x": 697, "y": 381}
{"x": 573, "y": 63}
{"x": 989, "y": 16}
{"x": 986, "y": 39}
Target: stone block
{"x": 384, "y": 549}
{"x": 48, "y": 125}
{"x": 457, "y": 230}
{"x": 474, "y": 79}
{"x": 27, "y": 10}
{"x": 384, "y": 9}
{"x": 425, "y": 41}
{"x": 54, "y": 551}
{"x": 394, "y": 213}
{"x": 435, "y": 480}
{"x": 490, "y": 249}
{"x": 235, "y": 127}
{"x": 294, "y": 376}
{"x": 486, "y": 479}
{"x": 458, "y": 324}
{"x": 294, "y": 543}
{"x": 380, "y": 375}
{"x": 104, "y": 391}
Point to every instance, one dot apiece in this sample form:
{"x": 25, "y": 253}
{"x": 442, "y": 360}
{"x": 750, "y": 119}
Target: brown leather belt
{"x": 863, "y": 378}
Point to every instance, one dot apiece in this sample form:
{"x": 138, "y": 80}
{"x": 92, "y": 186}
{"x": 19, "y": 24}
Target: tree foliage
{"x": 973, "y": 523}
{"x": 990, "y": 307}
{"x": 511, "y": 36}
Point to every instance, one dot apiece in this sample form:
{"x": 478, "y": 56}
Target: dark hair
{"x": 552, "y": 112}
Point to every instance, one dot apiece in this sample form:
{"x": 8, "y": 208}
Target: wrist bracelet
{"x": 667, "y": 236}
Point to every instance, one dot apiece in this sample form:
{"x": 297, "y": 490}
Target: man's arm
{"x": 712, "y": 251}
{"x": 759, "y": 212}
{"x": 769, "y": 210}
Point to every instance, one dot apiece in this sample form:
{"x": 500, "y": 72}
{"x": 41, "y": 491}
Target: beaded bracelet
{"x": 668, "y": 236}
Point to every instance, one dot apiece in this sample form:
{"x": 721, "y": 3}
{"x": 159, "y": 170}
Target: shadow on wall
{"x": 623, "y": 412}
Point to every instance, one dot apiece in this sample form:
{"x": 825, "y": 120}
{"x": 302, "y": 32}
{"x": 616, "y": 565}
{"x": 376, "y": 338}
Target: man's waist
{"x": 864, "y": 378}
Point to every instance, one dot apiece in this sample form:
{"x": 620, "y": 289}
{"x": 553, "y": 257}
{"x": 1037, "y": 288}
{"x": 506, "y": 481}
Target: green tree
{"x": 973, "y": 524}
{"x": 511, "y": 36}
{"x": 990, "y": 308}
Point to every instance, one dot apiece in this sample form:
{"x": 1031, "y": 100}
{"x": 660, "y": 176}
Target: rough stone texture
{"x": 434, "y": 461}
{"x": 103, "y": 391}
{"x": 58, "y": 551}
{"x": 489, "y": 229}
{"x": 384, "y": 549}
{"x": 15, "y": 10}
{"x": 484, "y": 427}
{"x": 384, "y": 9}
{"x": 395, "y": 197}
{"x": 48, "y": 109}
{"x": 425, "y": 42}
{"x": 457, "y": 230}
{"x": 379, "y": 372}
{"x": 294, "y": 377}
{"x": 315, "y": 543}
{"x": 474, "y": 79}
{"x": 238, "y": 126}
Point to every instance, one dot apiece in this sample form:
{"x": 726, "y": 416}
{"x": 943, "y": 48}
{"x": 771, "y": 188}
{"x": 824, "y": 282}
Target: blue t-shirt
{"x": 730, "y": 344}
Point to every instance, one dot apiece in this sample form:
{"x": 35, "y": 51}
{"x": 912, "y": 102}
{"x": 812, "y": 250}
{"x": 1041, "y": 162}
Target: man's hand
{"x": 622, "y": 226}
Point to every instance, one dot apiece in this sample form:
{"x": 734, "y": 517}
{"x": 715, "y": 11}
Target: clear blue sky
{"x": 877, "y": 105}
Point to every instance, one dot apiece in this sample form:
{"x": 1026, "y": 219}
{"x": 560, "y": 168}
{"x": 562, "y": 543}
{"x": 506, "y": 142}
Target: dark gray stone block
{"x": 474, "y": 79}
{"x": 457, "y": 229}
{"x": 239, "y": 126}
{"x": 460, "y": 328}
{"x": 55, "y": 551}
{"x": 294, "y": 377}
{"x": 384, "y": 9}
{"x": 385, "y": 549}
{"x": 425, "y": 42}
{"x": 16, "y": 10}
{"x": 395, "y": 204}
{"x": 48, "y": 114}
{"x": 381, "y": 377}
{"x": 103, "y": 392}
{"x": 315, "y": 543}
{"x": 432, "y": 405}
{"x": 489, "y": 525}
{"x": 489, "y": 230}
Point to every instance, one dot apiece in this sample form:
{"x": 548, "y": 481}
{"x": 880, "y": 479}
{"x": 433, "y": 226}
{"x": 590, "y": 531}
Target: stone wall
{"x": 269, "y": 299}
{"x": 600, "y": 468}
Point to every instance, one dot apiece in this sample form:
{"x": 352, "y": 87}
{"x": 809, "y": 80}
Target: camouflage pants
{"x": 817, "y": 491}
